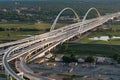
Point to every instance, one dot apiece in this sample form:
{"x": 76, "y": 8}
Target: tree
{"x": 8, "y": 35}
{"x": 73, "y": 58}
{"x": 66, "y": 59}
{"x": 118, "y": 60}
{"x": 116, "y": 56}
{"x": 90, "y": 59}
{"x": 69, "y": 59}
{"x": 110, "y": 36}
{"x": 52, "y": 59}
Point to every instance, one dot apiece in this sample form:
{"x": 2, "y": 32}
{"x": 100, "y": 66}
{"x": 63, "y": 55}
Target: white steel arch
{"x": 81, "y": 25}
{"x": 55, "y": 21}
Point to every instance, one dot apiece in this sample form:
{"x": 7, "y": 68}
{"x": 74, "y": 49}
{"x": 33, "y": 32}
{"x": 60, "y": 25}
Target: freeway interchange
{"x": 31, "y": 48}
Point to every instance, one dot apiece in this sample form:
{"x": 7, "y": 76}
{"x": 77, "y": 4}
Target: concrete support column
{"x": 11, "y": 78}
{"x": 21, "y": 75}
{"x": 7, "y": 75}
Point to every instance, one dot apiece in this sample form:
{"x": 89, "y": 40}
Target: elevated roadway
{"x": 45, "y": 42}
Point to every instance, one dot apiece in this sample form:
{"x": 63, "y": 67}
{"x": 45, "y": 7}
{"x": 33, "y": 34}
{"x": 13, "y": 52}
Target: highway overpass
{"x": 37, "y": 46}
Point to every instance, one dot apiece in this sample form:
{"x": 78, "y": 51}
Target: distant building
{"x": 39, "y": 8}
{"x": 18, "y": 11}
{"x": 4, "y": 20}
{"x": 29, "y": 15}
{"x": 49, "y": 55}
{"x": 16, "y": 3}
{"x": 108, "y": 60}
{"x": 23, "y": 8}
{"x": 80, "y": 60}
{"x": 100, "y": 60}
{"x": 58, "y": 58}
{"x": 4, "y": 10}
{"x": 51, "y": 64}
{"x": 39, "y": 61}
{"x": 15, "y": 20}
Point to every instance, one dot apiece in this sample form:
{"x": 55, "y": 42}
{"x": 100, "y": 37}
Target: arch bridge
{"x": 38, "y": 46}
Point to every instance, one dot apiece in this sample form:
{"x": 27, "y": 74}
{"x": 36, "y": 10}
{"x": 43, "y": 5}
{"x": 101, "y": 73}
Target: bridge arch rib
{"x": 81, "y": 25}
{"x": 55, "y": 21}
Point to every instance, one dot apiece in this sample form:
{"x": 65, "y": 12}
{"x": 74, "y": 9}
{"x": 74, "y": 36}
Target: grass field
{"x": 88, "y": 49}
{"x": 112, "y": 41}
{"x": 13, "y": 31}
{"x": 39, "y": 26}
{"x": 94, "y": 47}
{"x": 2, "y": 76}
{"x": 113, "y": 31}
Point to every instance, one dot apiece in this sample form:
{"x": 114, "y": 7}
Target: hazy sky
{"x": 23, "y": 0}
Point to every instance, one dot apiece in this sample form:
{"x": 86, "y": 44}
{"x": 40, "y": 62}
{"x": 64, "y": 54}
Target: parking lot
{"x": 104, "y": 72}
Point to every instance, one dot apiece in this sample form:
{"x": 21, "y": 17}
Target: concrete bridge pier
{"x": 21, "y": 75}
{"x": 7, "y": 74}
